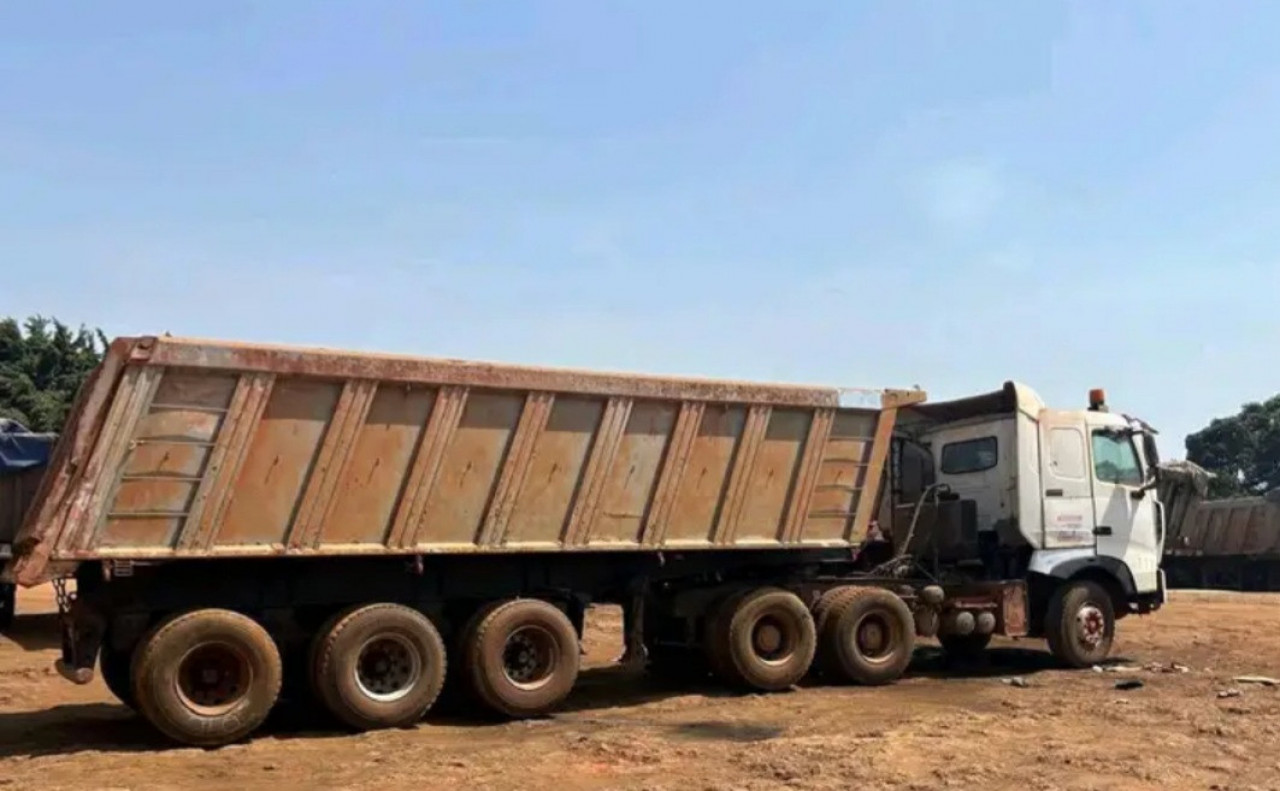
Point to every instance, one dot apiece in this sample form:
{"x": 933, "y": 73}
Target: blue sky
{"x": 861, "y": 194}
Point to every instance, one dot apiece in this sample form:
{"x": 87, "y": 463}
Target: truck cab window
{"x": 971, "y": 455}
{"x": 1115, "y": 460}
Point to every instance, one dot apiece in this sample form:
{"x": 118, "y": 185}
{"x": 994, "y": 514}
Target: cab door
{"x": 1067, "y": 493}
{"x": 1126, "y": 520}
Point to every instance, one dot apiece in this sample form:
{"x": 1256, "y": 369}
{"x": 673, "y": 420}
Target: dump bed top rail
{"x": 189, "y": 448}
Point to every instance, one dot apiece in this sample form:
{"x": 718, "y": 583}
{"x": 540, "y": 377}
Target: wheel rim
{"x": 214, "y": 677}
{"x": 387, "y": 668}
{"x": 1091, "y": 625}
{"x": 772, "y": 640}
{"x": 530, "y": 657}
{"x": 873, "y": 637}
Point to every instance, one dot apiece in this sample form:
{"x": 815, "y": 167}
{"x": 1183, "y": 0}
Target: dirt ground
{"x": 935, "y": 729}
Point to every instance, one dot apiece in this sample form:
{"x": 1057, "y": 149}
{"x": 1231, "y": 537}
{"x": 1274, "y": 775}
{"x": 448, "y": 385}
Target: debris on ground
{"x": 1116, "y": 669}
{"x": 1150, "y": 667}
{"x": 1228, "y": 693}
{"x": 1263, "y": 680}
{"x": 1017, "y": 681}
{"x": 1129, "y": 683}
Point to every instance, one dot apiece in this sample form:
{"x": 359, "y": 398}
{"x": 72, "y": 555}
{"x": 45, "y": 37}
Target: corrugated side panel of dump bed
{"x": 1245, "y": 526}
{"x": 182, "y": 448}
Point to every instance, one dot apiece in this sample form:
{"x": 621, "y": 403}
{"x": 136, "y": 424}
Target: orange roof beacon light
{"x": 1098, "y": 400}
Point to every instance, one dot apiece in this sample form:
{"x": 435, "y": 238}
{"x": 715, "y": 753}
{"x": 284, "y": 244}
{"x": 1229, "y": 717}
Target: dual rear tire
{"x": 867, "y": 636}
{"x": 378, "y": 666}
{"x": 521, "y": 657}
{"x": 767, "y": 640}
{"x": 211, "y": 677}
{"x": 762, "y": 639}
{"x": 204, "y": 678}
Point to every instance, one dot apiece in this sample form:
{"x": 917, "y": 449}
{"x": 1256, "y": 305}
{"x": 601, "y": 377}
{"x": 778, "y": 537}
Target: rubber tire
{"x": 715, "y": 642}
{"x": 730, "y": 645}
{"x": 839, "y": 658}
{"x": 748, "y": 664}
{"x": 1059, "y": 625}
{"x": 965, "y": 648}
{"x": 484, "y": 647}
{"x": 336, "y": 651}
{"x": 116, "y": 669}
{"x": 155, "y": 669}
{"x": 830, "y": 602}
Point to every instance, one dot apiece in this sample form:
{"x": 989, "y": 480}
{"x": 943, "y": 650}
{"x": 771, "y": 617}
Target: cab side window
{"x": 1115, "y": 460}
{"x": 974, "y": 455}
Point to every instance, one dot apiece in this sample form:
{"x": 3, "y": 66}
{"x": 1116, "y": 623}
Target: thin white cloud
{"x": 960, "y": 196}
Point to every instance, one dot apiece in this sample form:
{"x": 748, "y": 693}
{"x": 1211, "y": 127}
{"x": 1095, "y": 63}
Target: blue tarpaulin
{"x": 21, "y": 449}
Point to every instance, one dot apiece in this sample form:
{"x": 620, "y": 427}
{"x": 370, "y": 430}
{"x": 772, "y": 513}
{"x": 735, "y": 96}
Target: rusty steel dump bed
{"x": 183, "y": 448}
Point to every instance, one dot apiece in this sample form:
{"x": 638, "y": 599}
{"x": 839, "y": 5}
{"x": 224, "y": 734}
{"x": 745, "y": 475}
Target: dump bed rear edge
{"x": 67, "y": 468}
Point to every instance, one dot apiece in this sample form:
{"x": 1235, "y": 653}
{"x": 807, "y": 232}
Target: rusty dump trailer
{"x": 1231, "y": 544}
{"x": 229, "y": 523}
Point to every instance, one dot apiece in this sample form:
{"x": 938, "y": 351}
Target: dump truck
{"x": 23, "y": 456}
{"x": 226, "y": 524}
{"x": 1231, "y": 544}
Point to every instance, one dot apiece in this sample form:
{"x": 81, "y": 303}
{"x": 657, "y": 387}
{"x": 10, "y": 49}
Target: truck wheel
{"x": 964, "y": 647}
{"x": 116, "y": 670}
{"x": 1080, "y": 624}
{"x": 715, "y": 643}
{"x": 868, "y": 637}
{"x": 522, "y": 657}
{"x": 208, "y": 677}
{"x": 768, "y": 640}
{"x": 379, "y": 666}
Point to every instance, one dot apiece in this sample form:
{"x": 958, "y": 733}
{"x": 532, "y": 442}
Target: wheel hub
{"x": 529, "y": 657}
{"x": 213, "y": 677}
{"x": 387, "y": 667}
{"x": 1091, "y": 625}
{"x": 872, "y": 637}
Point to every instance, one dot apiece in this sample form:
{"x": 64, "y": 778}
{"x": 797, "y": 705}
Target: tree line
{"x": 44, "y": 361}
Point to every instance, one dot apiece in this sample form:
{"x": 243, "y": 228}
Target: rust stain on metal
{"x": 675, "y": 461}
{"x": 867, "y": 502}
{"x": 801, "y": 496}
{"x": 375, "y": 472}
{"x": 139, "y": 385}
{"x": 595, "y": 477}
{"x": 290, "y": 361}
{"x": 632, "y": 478}
{"x": 445, "y": 415}
{"x": 185, "y": 448}
{"x": 515, "y": 467}
{"x": 743, "y": 464}
{"x": 321, "y": 488}
{"x": 248, "y": 401}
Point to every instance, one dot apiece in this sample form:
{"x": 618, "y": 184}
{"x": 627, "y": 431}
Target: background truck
{"x": 228, "y": 523}
{"x": 1231, "y": 544}
{"x": 23, "y": 456}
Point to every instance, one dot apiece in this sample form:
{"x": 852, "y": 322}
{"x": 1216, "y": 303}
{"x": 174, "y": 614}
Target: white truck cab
{"x": 1065, "y": 499}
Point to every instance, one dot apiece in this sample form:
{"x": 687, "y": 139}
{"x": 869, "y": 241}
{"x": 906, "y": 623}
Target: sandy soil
{"x": 936, "y": 729}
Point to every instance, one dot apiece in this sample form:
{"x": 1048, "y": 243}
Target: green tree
{"x": 1242, "y": 451}
{"x": 42, "y": 364}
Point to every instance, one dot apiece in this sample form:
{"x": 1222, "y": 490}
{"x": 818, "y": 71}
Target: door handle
{"x": 1053, "y": 493}
{"x": 1102, "y": 530}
